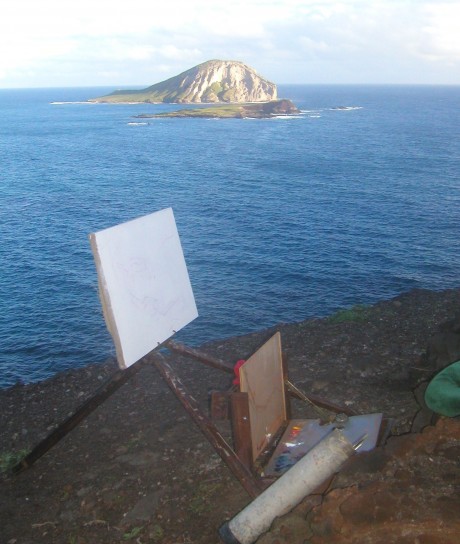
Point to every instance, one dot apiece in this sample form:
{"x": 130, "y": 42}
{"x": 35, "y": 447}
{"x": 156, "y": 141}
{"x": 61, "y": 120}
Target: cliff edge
{"x": 138, "y": 470}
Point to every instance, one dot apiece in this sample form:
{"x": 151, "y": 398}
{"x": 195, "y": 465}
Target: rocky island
{"x": 234, "y": 90}
{"x": 213, "y": 81}
{"x": 265, "y": 110}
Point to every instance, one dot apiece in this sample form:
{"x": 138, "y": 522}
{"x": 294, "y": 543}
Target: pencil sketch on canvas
{"x": 144, "y": 285}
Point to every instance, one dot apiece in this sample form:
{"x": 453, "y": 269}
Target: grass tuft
{"x": 135, "y": 531}
{"x": 201, "y": 502}
{"x": 8, "y": 459}
{"x": 356, "y": 314}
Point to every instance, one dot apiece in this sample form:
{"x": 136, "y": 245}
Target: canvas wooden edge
{"x": 277, "y": 337}
{"x": 106, "y": 304}
{"x": 283, "y": 374}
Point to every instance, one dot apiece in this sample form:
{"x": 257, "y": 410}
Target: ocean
{"x": 354, "y": 201}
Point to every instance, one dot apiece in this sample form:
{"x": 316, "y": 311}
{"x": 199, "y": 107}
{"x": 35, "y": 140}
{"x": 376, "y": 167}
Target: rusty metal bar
{"x": 117, "y": 379}
{"x": 207, "y": 360}
{"x": 294, "y": 391}
{"x": 318, "y": 402}
{"x": 247, "y": 480}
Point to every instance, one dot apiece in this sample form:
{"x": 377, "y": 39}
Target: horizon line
{"x": 144, "y": 86}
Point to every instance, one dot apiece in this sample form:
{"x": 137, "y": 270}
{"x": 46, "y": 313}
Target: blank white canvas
{"x": 144, "y": 285}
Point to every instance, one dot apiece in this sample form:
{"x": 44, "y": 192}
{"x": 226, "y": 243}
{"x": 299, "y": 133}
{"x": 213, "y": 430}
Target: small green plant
{"x": 9, "y": 459}
{"x": 201, "y": 501}
{"x": 135, "y": 531}
{"x": 133, "y": 443}
{"x": 216, "y": 87}
{"x": 356, "y": 314}
{"x": 157, "y": 533}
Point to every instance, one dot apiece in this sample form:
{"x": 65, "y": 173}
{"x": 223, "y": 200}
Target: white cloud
{"x": 441, "y": 32}
{"x": 375, "y": 40}
{"x": 70, "y": 42}
{"x": 172, "y": 52}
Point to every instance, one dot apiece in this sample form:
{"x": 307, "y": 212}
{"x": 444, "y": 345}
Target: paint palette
{"x": 302, "y": 435}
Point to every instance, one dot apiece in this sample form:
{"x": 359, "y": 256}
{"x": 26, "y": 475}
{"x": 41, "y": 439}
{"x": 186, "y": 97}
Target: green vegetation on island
{"x": 264, "y": 110}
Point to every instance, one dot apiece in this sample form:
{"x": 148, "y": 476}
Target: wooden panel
{"x": 262, "y": 378}
{"x": 143, "y": 283}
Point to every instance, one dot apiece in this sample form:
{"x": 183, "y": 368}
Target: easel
{"x": 235, "y": 456}
{"x": 162, "y": 302}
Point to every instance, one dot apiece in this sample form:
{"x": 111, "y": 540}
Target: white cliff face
{"x": 212, "y": 81}
{"x": 225, "y": 81}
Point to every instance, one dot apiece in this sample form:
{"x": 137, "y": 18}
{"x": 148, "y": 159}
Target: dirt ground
{"x": 138, "y": 470}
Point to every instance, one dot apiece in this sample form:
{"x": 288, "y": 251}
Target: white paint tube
{"x": 284, "y": 494}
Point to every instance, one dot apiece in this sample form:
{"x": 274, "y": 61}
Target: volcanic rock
{"x": 209, "y": 82}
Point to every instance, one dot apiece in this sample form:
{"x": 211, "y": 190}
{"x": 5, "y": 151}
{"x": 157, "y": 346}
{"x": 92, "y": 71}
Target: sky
{"x": 68, "y": 43}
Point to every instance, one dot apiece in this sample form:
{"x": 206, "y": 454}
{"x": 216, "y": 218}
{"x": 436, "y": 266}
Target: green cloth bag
{"x": 443, "y": 392}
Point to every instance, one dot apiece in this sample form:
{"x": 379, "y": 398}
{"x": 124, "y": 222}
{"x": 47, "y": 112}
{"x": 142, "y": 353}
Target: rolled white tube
{"x": 284, "y": 494}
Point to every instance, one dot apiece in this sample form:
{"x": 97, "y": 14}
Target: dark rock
{"x": 138, "y": 459}
{"x": 280, "y": 107}
{"x": 353, "y": 363}
{"x": 144, "y": 509}
{"x": 443, "y": 347}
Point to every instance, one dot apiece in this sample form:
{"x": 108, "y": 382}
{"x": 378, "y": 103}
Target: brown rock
{"x": 415, "y": 500}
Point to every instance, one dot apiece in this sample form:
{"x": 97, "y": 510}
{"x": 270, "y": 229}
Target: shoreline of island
{"x": 258, "y": 110}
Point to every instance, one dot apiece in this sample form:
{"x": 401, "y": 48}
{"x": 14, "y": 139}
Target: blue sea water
{"x": 280, "y": 219}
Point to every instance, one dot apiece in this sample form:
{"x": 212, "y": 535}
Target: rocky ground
{"x": 138, "y": 470}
